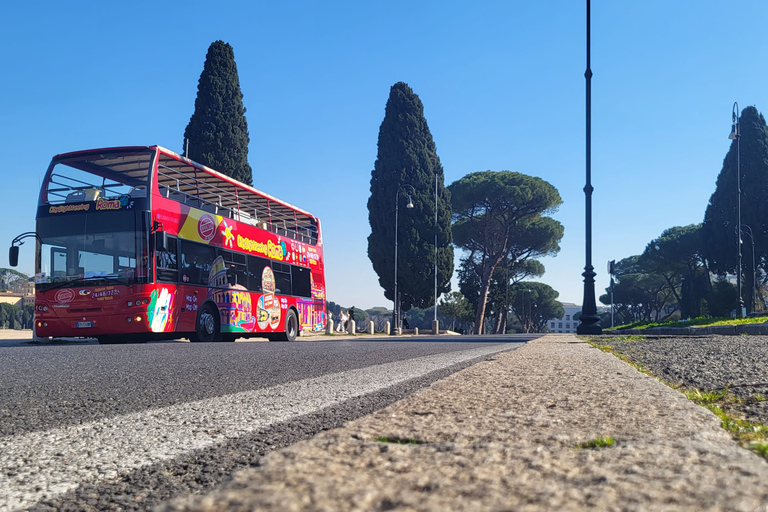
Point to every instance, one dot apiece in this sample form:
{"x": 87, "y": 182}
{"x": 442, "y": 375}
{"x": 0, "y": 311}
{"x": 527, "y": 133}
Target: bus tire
{"x": 207, "y": 328}
{"x": 291, "y": 326}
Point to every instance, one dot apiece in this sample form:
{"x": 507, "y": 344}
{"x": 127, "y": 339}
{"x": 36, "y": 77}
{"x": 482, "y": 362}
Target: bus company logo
{"x": 64, "y": 296}
{"x": 108, "y": 204}
{"x": 206, "y": 227}
{"x": 70, "y": 208}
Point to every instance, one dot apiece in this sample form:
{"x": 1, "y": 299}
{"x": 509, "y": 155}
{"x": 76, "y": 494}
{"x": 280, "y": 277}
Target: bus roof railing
{"x": 191, "y": 183}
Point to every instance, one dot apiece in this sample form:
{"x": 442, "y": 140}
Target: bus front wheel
{"x": 291, "y": 327}
{"x": 207, "y": 324}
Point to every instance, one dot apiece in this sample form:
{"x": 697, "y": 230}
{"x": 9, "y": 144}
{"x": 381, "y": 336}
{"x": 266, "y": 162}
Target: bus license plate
{"x": 84, "y": 324}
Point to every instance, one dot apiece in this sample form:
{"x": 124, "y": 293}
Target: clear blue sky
{"x": 502, "y": 85}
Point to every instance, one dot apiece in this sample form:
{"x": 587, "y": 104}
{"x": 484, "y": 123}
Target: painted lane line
{"x": 40, "y": 465}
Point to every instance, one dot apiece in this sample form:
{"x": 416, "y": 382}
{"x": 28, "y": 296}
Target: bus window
{"x": 255, "y": 268}
{"x": 167, "y": 265}
{"x": 196, "y": 260}
{"x": 236, "y": 270}
{"x": 282, "y": 278}
{"x": 300, "y": 281}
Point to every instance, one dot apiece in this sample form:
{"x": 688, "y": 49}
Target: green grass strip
{"x": 594, "y": 444}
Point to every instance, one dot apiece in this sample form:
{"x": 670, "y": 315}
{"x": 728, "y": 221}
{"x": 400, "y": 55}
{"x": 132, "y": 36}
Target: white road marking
{"x": 40, "y": 465}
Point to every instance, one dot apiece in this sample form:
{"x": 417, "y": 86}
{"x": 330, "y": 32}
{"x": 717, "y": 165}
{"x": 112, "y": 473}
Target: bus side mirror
{"x": 13, "y": 255}
{"x": 161, "y": 240}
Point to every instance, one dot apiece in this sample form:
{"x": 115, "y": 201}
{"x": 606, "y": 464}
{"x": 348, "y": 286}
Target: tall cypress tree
{"x": 407, "y": 165}
{"x": 217, "y": 132}
{"x": 720, "y": 220}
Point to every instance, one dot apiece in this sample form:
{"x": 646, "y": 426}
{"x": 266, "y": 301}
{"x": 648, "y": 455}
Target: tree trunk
{"x": 484, "y": 289}
{"x": 499, "y": 317}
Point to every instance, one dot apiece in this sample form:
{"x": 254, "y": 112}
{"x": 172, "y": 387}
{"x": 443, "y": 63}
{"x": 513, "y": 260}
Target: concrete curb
{"x": 724, "y": 330}
{"x": 504, "y": 435}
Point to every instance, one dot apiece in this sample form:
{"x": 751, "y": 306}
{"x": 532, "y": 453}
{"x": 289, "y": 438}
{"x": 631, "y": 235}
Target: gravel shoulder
{"x": 503, "y": 434}
{"x": 738, "y": 364}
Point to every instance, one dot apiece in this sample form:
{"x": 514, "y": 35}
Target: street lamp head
{"x": 410, "y": 203}
{"x": 734, "y": 131}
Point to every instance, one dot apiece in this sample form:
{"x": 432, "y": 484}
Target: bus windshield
{"x": 80, "y": 250}
{"x": 103, "y": 175}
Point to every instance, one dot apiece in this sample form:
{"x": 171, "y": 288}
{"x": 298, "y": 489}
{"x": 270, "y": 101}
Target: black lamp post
{"x": 589, "y": 319}
{"x": 736, "y": 135}
{"x": 396, "y": 299}
{"x": 754, "y": 267}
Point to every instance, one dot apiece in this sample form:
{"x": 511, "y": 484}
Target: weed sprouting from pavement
{"x": 705, "y": 397}
{"x": 594, "y": 444}
{"x": 398, "y": 440}
{"x": 760, "y": 449}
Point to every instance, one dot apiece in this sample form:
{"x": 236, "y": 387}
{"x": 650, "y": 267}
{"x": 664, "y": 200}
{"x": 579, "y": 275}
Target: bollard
{"x": 329, "y": 326}
{"x": 386, "y": 328}
{"x": 435, "y": 327}
{"x": 370, "y": 327}
{"x": 415, "y": 331}
{"x": 351, "y": 327}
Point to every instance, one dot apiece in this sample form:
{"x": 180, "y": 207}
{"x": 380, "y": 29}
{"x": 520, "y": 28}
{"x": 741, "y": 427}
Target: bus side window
{"x": 167, "y": 265}
{"x": 236, "y": 269}
{"x": 300, "y": 281}
{"x": 255, "y": 268}
{"x": 196, "y": 262}
{"x": 282, "y": 278}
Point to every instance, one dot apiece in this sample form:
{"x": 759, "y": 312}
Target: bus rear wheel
{"x": 291, "y": 328}
{"x": 207, "y": 324}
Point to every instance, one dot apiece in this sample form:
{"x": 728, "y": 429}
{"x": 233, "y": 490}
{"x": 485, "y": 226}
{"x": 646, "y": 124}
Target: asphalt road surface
{"x": 129, "y": 426}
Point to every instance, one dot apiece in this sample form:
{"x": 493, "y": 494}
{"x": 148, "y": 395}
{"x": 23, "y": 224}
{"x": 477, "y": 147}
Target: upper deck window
{"x": 91, "y": 176}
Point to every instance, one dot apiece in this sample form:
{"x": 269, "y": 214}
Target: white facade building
{"x": 567, "y": 324}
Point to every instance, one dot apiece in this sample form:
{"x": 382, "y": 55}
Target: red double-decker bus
{"x": 140, "y": 243}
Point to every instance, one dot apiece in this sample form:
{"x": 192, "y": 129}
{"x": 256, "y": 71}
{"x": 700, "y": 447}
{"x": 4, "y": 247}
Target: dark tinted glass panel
{"x": 300, "y": 281}
{"x": 236, "y": 269}
{"x": 196, "y": 260}
{"x": 255, "y": 268}
{"x": 167, "y": 262}
{"x": 282, "y": 278}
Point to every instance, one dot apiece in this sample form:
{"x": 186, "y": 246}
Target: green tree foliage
{"x": 456, "y": 308}
{"x": 723, "y": 299}
{"x": 640, "y": 295}
{"x": 217, "y": 132}
{"x": 678, "y": 257}
{"x": 501, "y": 214}
{"x": 720, "y": 220}
{"x": 15, "y": 317}
{"x": 499, "y": 295}
{"x": 534, "y": 304}
{"x": 407, "y": 156}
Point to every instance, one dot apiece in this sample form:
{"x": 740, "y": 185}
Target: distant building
{"x": 567, "y": 324}
{"x": 17, "y": 299}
